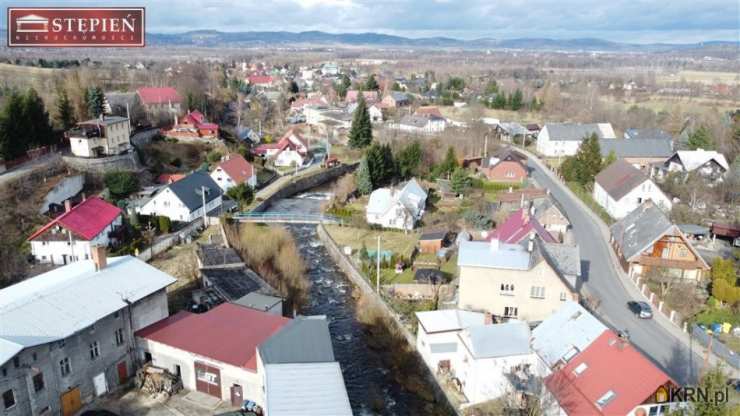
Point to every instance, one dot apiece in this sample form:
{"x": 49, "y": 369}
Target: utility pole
{"x": 203, "y": 196}
{"x": 485, "y": 148}
{"x": 377, "y": 277}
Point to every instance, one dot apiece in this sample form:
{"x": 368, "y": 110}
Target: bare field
{"x": 705, "y": 77}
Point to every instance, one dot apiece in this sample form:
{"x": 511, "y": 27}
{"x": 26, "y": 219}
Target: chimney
{"x": 99, "y": 257}
{"x": 525, "y": 215}
{"x": 530, "y": 243}
{"x": 488, "y": 319}
{"x": 84, "y": 197}
{"x": 495, "y": 244}
{"x": 67, "y": 205}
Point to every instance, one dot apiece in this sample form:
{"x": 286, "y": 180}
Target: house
{"x": 260, "y": 81}
{"x": 533, "y": 129}
{"x": 432, "y": 241}
{"x": 261, "y": 302}
{"x": 641, "y": 153}
{"x": 183, "y": 200}
{"x": 505, "y": 166}
{"x": 428, "y": 111}
{"x": 234, "y": 170}
{"x": 420, "y": 124}
{"x": 160, "y": 99}
{"x": 519, "y": 226}
{"x": 563, "y": 139}
{"x": 646, "y": 239}
{"x": 65, "y": 189}
{"x": 706, "y": 163}
{"x": 393, "y": 208}
{"x": 192, "y": 126}
{"x": 104, "y": 136}
{"x": 511, "y": 131}
{"x": 395, "y": 99}
{"x": 547, "y": 213}
{"x": 290, "y": 150}
{"x": 67, "y": 334}
{"x": 491, "y": 359}
{"x": 647, "y": 134}
{"x": 527, "y": 281}
{"x": 301, "y": 103}
{"x": 73, "y": 235}
{"x": 353, "y": 95}
{"x": 375, "y": 112}
{"x": 330, "y": 69}
{"x": 513, "y": 199}
{"x": 436, "y": 337}
{"x": 600, "y": 380}
{"x": 621, "y": 187}
{"x": 168, "y": 178}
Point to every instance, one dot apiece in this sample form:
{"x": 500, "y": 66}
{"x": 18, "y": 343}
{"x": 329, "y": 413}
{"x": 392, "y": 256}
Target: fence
{"x": 654, "y": 300}
{"x": 285, "y": 217}
{"x": 718, "y": 347}
{"x": 170, "y": 240}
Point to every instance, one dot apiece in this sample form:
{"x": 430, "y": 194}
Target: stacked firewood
{"x": 154, "y": 381}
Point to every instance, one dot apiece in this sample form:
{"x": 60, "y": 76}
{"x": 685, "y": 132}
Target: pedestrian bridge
{"x": 286, "y": 218}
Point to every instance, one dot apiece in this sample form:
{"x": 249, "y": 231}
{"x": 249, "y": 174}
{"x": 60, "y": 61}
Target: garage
{"x": 207, "y": 379}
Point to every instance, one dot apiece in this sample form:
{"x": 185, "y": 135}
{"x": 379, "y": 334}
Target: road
{"x": 28, "y": 167}
{"x": 658, "y": 338}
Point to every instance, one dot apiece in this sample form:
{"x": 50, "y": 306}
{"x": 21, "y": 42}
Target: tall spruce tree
{"x": 381, "y": 165}
{"x": 371, "y": 84}
{"x": 65, "y": 114}
{"x": 585, "y": 164}
{"x": 700, "y": 139}
{"x": 517, "y": 100}
{"x": 39, "y": 131}
{"x": 13, "y": 128}
{"x": 409, "y": 160}
{"x": 95, "y": 101}
{"x": 363, "y": 179}
{"x": 361, "y": 131}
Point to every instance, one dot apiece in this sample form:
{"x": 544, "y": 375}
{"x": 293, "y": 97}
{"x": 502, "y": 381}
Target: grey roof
{"x": 647, "y": 134}
{"x": 693, "y": 229}
{"x": 105, "y": 121}
{"x": 505, "y": 154}
{"x": 653, "y": 148}
{"x": 399, "y": 96}
{"x": 574, "y": 131}
{"x": 481, "y": 254}
{"x": 216, "y": 255}
{"x": 619, "y": 178}
{"x": 306, "y": 389}
{"x": 188, "y": 189}
{"x": 48, "y": 307}
{"x": 569, "y": 330}
{"x": 414, "y": 120}
{"x": 235, "y": 282}
{"x": 433, "y": 235}
{"x": 449, "y": 320}
{"x": 513, "y": 128}
{"x": 497, "y": 340}
{"x": 258, "y": 301}
{"x": 565, "y": 259}
{"x": 305, "y": 339}
{"x": 640, "y": 228}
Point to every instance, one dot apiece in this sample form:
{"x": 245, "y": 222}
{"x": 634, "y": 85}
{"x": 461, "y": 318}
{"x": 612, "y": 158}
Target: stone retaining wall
{"x": 127, "y": 161}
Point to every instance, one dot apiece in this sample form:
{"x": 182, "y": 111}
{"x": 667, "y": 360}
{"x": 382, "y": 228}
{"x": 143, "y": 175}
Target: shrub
{"x": 164, "y": 224}
{"x": 213, "y": 156}
{"x": 121, "y": 184}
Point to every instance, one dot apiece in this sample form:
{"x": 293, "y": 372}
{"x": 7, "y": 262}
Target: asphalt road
{"x": 601, "y": 280}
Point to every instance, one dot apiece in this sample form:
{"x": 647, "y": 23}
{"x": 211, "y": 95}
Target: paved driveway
{"x": 659, "y": 339}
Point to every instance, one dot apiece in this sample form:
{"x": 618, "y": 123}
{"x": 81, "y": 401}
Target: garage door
{"x": 71, "y": 402}
{"x": 207, "y": 379}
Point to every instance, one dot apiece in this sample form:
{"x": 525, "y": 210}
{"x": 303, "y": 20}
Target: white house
{"x": 707, "y": 163}
{"x": 290, "y": 150}
{"x": 621, "y": 187}
{"x": 234, "y": 170}
{"x": 73, "y": 235}
{"x": 563, "y": 139}
{"x": 436, "y": 337}
{"x": 376, "y": 113}
{"x": 420, "y": 124}
{"x": 62, "y": 191}
{"x": 106, "y": 136}
{"x": 392, "y": 208}
{"x": 183, "y": 200}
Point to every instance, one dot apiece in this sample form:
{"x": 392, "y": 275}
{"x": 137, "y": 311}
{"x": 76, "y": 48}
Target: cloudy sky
{"x": 638, "y": 21}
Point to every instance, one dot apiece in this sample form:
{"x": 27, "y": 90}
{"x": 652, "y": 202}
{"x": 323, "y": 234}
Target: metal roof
{"x": 188, "y": 189}
{"x": 620, "y": 178}
{"x": 306, "y": 389}
{"x": 482, "y": 254}
{"x": 61, "y": 302}
{"x": 578, "y": 131}
{"x": 305, "y": 339}
{"x": 564, "y": 258}
{"x": 647, "y": 134}
{"x": 657, "y": 148}
{"x": 571, "y": 329}
{"x": 258, "y": 301}
{"x": 640, "y": 228}
{"x": 497, "y": 340}
{"x": 449, "y": 320}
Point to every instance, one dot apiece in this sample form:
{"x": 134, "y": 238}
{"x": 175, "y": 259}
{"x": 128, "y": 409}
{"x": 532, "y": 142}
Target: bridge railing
{"x": 286, "y": 217}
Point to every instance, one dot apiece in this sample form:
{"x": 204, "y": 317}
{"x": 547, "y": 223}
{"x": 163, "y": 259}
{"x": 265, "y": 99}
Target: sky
{"x": 633, "y": 21}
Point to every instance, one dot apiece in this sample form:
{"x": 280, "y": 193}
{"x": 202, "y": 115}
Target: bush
{"x": 164, "y": 224}
{"x": 213, "y": 156}
{"x": 121, "y": 184}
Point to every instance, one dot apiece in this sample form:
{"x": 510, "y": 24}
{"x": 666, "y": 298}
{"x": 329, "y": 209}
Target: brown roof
{"x": 516, "y": 195}
{"x": 619, "y": 178}
{"x": 237, "y": 168}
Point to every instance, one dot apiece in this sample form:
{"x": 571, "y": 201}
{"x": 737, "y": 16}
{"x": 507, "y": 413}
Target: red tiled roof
{"x": 237, "y": 168}
{"x": 283, "y": 143}
{"x": 196, "y": 117}
{"x": 353, "y": 95}
{"x": 429, "y": 111}
{"x": 168, "y": 178}
{"x": 518, "y": 226}
{"x": 209, "y": 126}
{"x": 228, "y": 333}
{"x": 516, "y": 194}
{"x": 86, "y": 220}
{"x": 610, "y": 364}
{"x": 158, "y": 95}
{"x": 260, "y": 79}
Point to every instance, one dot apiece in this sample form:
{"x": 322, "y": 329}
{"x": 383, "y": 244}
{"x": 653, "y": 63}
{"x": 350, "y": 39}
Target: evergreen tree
{"x": 342, "y": 87}
{"x": 371, "y": 84}
{"x": 491, "y": 87}
{"x": 361, "y": 131}
{"x": 712, "y": 382}
{"x": 409, "y": 160}
{"x": 39, "y": 131}
{"x": 13, "y": 128}
{"x": 460, "y": 182}
{"x": 381, "y": 165}
{"x": 65, "y": 114}
{"x": 499, "y": 102}
{"x": 517, "y": 100}
{"x": 610, "y": 158}
{"x": 95, "y": 101}
{"x": 585, "y": 164}
{"x": 293, "y": 87}
{"x": 363, "y": 179}
{"x": 448, "y": 165}
{"x": 701, "y": 139}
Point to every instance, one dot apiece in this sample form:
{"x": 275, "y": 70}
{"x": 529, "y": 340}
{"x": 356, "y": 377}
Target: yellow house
{"x": 528, "y": 281}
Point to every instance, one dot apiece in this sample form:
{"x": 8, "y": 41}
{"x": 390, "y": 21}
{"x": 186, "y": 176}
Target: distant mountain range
{"x": 215, "y": 38}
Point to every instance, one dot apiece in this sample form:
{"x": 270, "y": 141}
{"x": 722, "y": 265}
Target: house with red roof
{"x": 353, "y": 95}
{"x": 263, "y": 81}
{"x": 290, "y": 150}
{"x": 234, "y": 170}
{"x": 73, "y": 235}
{"x": 506, "y": 166}
{"x": 609, "y": 377}
{"x": 193, "y": 126}
{"x": 160, "y": 99}
{"x": 519, "y": 226}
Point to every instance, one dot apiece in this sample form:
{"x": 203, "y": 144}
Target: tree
{"x": 65, "y": 114}
{"x": 243, "y": 194}
{"x": 610, "y": 158}
{"x": 585, "y": 164}
{"x": 164, "y": 224}
{"x": 409, "y": 160}
{"x": 448, "y": 165}
{"x": 500, "y": 101}
{"x": 39, "y": 131}
{"x": 381, "y": 164}
{"x": 293, "y": 87}
{"x": 121, "y": 184}
{"x": 363, "y": 179}
{"x": 460, "y": 182}
{"x": 13, "y": 128}
{"x": 700, "y": 139}
{"x": 361, "y": 131}
{"x": 517, "y": 100}
{"x": 371, "y": 84}
{"x": 456, "y": 84}
{"x": 725, "y": 292}
{"x": 396, "y": 86}
{"x": 491, "y": 87}
{"x": 342, "y": 87}
{"x": 714, "y": 381}
{"x": 724, "y": 270}
{"x": 94, "y": 101}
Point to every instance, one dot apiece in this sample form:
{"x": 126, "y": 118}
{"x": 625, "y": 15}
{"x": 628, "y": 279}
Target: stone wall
{"x": 127, "y": 161}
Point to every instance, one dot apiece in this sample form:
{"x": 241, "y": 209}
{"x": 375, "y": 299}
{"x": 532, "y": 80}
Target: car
{"x": 641, "y": 309}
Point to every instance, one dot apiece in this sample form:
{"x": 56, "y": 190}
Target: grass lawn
{"x": 586, "y": 197}
{"x": 395, "y": 241}
{"x": 345, "y": 154}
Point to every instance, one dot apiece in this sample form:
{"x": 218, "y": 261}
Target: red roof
{"x": 86, "y": 220}
{"x": 353, "y": 95}
{"x": 518, "y": 226}
{"x": 195, "y": 117}
{"x": 237, "y": 168}
{"x": 168, "y": 178}
{"x": 285, "y": 142}
{"x": 228, "y": 333}
{"x": 158, "y": 95}
{"x": 608, "y": 364}
{"x": 259, "y": 79}
{"x": 429, "y": 111}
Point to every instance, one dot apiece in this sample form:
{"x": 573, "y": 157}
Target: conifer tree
{"x": 361, "y": 131}
{"x": 364, "y": 182}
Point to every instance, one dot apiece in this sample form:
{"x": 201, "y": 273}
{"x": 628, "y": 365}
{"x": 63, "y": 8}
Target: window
{"x": 507, "y": 289}
{"x": 665, "y": 253}
{"x": 563, "y": 296}
{"x": 580, "y": 369}
{"x": 38, "y": 382}
{"x": 94, "y": 350}
{"x": 5, "y": 372}
{"x": 64, "y": 366}
{"x": 8, "y": 399}
{"x": 16, "y": 361}
{"x": 511, "y": 311}
{"x": 683, "y": 252}
{"x": 34, "y": 357}
{"x": 119, "y": 336}
{"x": 537, "y": 292}
{"x": 605, "y": 399}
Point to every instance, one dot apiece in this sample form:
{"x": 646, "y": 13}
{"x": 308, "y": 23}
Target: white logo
{"x": 32, "y": 24}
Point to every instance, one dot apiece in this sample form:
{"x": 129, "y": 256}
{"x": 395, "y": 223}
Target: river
{"x": 370, "y": 386}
